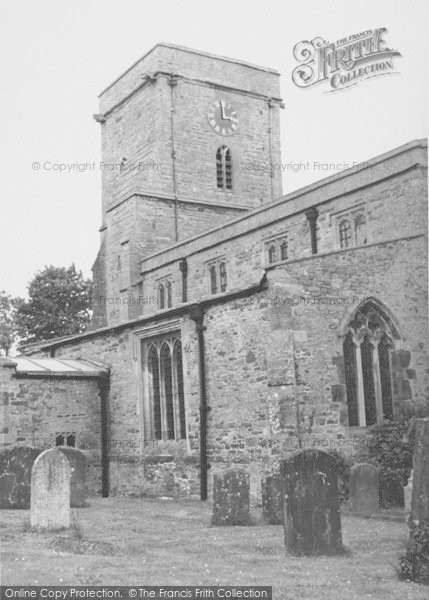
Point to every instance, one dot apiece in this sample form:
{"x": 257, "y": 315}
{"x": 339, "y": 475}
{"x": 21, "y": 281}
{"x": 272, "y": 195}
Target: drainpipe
{"x": 172, "y": 82}
{"x": 103, "y": 386}
{"x": 183, "y": 266}
{"x": 197, "y": 315}
{"x": 312, "y": 215}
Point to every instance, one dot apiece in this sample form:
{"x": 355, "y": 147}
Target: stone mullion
{"x": 360, "y": 388}
{"x": 174, "y": 392}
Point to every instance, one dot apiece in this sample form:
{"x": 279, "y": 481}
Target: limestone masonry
{"x": 231, "y": 324}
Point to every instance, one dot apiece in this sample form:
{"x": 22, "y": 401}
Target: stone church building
{"x": 231, "y": 324}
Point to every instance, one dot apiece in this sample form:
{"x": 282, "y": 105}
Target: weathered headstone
{"x": 15, "y": 476}
{"x": 50, "y": 491}
{"x": 312, "y": 521}
{"x": 272, "y": 507}
{"x": 364, "y": 489}
{"x": 420, "y": 495}
{"x": 231, "y": 498}
{"x": 78, "y": 490}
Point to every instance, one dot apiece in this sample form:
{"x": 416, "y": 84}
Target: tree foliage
{"x": 59, "y": 304}
{"x": 392, "y": 451}
{"x": 414, "y": 565}
{"x": 8, "y": 327}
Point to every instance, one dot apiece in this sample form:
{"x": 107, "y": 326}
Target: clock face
{"x": 222, "y": 116}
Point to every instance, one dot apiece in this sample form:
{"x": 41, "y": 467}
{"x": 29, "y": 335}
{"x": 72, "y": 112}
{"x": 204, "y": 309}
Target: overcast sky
{"x": 57, "y": 56}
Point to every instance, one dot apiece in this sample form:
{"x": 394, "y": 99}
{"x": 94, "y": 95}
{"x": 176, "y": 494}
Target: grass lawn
{"x": 127, "y": 541}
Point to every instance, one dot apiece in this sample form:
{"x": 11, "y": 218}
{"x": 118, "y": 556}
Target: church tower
{"x": 189, "y": 139}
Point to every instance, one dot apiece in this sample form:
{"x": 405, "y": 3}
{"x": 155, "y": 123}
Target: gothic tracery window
{"x": 277, "y": 249}
{"x": 352, "y": 228}
{"x": 224, "y": 168}
{"x": 166, "y": 393}
{"x": 366, "y": 350}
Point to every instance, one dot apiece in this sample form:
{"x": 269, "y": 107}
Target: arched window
{"x": 169, "y": 294}
{"x": 272, "y": 254}
{"x": 178, "y": 371}
{"x": 165, "y": 411}
{"x": 213, "y": 279}
{"x": 345, "y": 233}
{"x": 360, "y": 229}
{"x": 153, "y": 368}
{"x": 222, "y": 276}
{"x": 366, "y": 349}
{"x": 59, "y": 439}
{"x": 283, "y": 249}
{"x": 161, "y": 295}
{"x": 224, "y": 168}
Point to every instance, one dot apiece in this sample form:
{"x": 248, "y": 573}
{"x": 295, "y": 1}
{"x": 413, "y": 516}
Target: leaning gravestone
{"x": 364, "y": 489}
{"x": 312, "y": 522}
{"x": 231, "y": 498}
{"x": 272, "y": 507}
{"x": 15, "y": 476}
{"x": 50, "y": 491}
{"x": 78, "y": 490}
{"x": 420, "y": 495}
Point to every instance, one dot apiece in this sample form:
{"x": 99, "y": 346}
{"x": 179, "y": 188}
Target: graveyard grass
{"x": 130, "y": 541}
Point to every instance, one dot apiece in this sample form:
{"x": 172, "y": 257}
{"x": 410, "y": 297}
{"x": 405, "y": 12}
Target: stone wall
{"x": 159, "y": 159}
{"x": 395, "y": 205}
{"x": 275, "y": 373}
{"x": 35, "y": 410}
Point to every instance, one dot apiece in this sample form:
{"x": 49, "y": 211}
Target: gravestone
{"x": 50, "y": 491}
{"x": 272, "y": 507}
{"x": 311, "y": 504}
{"x": 231, "y": 498}
{"x": 15, "y": 476}
{"x": 408, "y": 494}
{"x": 78, "y": 489}
{"x": 420, "y": 495}
{"x": 364, "y": 489}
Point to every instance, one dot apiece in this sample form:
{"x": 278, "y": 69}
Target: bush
{"x": 343, "y": 465}
{"x": 391, "y": 450}
{"x": 414, "y": 565}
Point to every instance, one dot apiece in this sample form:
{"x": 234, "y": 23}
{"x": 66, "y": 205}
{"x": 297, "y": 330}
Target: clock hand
{"x": 222, "y": 112}
{"x": 222, "y": 109}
